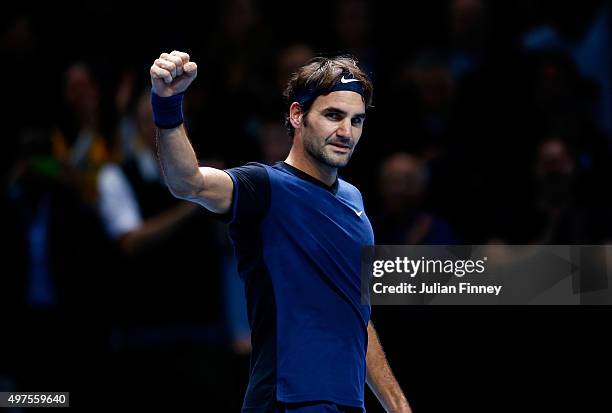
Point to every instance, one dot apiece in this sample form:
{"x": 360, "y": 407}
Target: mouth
{"x": 339, "y": 147}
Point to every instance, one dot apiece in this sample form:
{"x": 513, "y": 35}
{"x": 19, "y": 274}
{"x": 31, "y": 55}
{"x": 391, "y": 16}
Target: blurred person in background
{"x": 54, "y": 285}
{"x": 564, "y": 102}
{"x": 128, "y": 191}
{"x": 286, "y": 61}
{"x": 84, "y": 135}
{"x": 555, "y": 199}
{"x": 562, "y": 209}
{"x": 403, "y": 217}
{"x": 427, "y": 90}
{"x": 274, "y": 142}
{"x": 21, "y": 45}
{"x": 584, "y": 35}
{"x": 467, "y": 20}
{"x": 264, "y": 126}
{"x": 352, "y": 24}
{"x": 561, "y": 103}
{"x": 164, "y": 313}
{"x": 236, "y": 57}
{"x": 426, "y": 85}
{"x": 558, "y": 207}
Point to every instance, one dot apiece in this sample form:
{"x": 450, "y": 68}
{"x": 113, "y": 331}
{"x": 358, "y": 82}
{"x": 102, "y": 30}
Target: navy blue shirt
{"x": 298, "y": 244}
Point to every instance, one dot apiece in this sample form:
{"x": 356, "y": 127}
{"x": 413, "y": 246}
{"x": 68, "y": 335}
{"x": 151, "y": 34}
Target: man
{"x": 297, "y": 231}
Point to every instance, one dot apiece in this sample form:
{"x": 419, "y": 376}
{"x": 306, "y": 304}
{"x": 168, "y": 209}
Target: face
{"x": 331, "y": 129}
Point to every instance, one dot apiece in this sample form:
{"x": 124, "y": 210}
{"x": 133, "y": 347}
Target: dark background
{"x": 491, "y": 123}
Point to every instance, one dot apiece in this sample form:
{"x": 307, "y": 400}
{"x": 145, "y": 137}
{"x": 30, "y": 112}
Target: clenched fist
{"x": 172, "y": 73}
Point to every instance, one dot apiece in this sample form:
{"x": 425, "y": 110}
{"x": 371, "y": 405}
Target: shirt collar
{"x": 303, "y": 175}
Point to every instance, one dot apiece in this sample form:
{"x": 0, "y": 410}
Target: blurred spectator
{"x": 125, "y": 101}
{"x": 592, "y": 55}
{"x": 428, "y": 89}
{"x": 404, "y": 218}
{"x": 274, "y": 142}
{"x": 55, "y": 274}
{"x": 235, "y": 63}
{"x": 468, "y": 87}
{"x": 467, "y": 22}
{"x": 81, "y": 141}
{"x": 561, "y": 95}
{"x": 353, "y": 28}
{"x": 558, "y": 208}
{"x": 161, "y": 304}
{"x": 125, "y": 194}
{"x": 32, "y": 96}
{"x": 261, "y": 127}
{"x": 425, "y": 96}
{"x": 155, "y": 231}
{"x": 287, "y": 60}
{"x": 82, "y": 95}
{"x": 588, "y": 47}
{"x": 556, "y": 195}
{"x": 563, "y": 102}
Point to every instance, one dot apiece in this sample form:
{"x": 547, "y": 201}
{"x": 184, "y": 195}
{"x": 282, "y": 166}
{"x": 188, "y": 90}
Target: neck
{"x": 304, "y": 162}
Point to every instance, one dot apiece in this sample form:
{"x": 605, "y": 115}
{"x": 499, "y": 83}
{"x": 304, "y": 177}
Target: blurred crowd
{"x": 492, "y": 123}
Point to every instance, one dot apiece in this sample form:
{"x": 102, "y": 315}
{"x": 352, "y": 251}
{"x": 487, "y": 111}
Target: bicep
{"x": 216, "y": 194}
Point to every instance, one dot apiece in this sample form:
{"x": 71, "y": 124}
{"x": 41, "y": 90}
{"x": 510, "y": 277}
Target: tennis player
{"x": 297, "y": 231}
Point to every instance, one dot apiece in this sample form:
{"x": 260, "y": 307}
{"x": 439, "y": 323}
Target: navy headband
{"x": 346, "y": 82}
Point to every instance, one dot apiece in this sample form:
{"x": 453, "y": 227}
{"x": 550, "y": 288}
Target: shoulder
{"x": 250, "y": 167}
{"x": 251, "y": 192}
{"x": 349, "y": 193}
{"x": 252, "y": 171}
{"x": 348, "y": 189}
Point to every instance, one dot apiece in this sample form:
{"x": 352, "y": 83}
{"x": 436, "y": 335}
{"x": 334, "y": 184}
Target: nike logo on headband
{"x": 343, "y": 80}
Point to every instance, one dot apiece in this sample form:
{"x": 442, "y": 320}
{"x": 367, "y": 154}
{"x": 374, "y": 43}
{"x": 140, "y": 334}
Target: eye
{"x": 357, "y": 121}
{"x": 333, "y": 116}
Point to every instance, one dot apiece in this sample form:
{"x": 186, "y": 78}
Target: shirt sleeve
{"x": 251, "y": 194}
{"x": 117, "y": 204}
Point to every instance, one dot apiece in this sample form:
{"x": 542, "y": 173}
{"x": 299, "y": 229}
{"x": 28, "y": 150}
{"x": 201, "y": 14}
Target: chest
{"x": 320, "y": 217}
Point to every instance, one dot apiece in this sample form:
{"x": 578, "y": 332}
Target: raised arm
{"x": 381, "y": 379}
{"x": 171, "y": 75}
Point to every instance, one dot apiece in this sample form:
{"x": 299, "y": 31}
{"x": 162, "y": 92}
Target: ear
{"x": 295, "y": 115}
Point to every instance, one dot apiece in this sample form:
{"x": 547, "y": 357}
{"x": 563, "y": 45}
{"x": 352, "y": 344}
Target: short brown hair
{"x": 321, "y": 74}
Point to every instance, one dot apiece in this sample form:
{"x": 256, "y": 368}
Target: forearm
{"x": 179, "y": 163}
{"x": 171, "y": 74}
{"x": 380, "y": 377}
{"x": 158, "y": 228}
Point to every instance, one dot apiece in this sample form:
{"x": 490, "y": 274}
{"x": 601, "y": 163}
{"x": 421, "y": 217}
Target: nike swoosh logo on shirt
{"x": 343, "y": 80}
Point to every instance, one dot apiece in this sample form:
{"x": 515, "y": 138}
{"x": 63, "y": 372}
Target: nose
{"x": 345, "y": 130}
